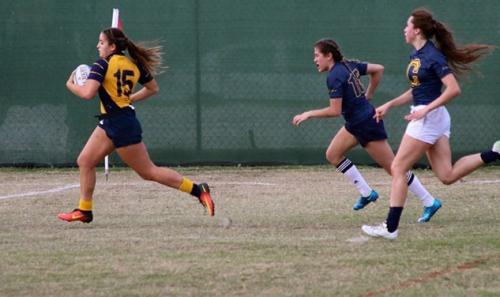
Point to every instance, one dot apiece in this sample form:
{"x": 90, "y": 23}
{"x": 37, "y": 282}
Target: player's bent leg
{"x": 94, "y": 151}
{"x": 380, "y": 151}
{"x": 136, "y": 156}
{"x": 339, "y": 146}
{"x": 439, "y": 156}
{"x": 410, "y": 150}
{"x": 96, "y": 148}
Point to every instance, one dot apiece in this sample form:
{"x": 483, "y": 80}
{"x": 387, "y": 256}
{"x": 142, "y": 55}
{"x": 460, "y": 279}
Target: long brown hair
{"x": 150, "y": 58}
{"x": 459, "y": 58}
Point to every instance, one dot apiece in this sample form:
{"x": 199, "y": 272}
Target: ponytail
{"x": 149, "y": 58}
{"x": 459, "y": 58}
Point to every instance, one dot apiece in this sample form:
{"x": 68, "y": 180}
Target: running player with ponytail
{"x": 428, "y": 130}
{"x": 347, "y": 97}
{"x": 114, "y": 77}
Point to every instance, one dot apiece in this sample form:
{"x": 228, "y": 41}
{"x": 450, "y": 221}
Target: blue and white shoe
{"x": 430, "y": 211}
{"x": 364, "y": 201}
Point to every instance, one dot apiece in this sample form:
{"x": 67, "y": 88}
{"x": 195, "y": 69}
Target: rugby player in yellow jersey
{"x": 114, "y": 77}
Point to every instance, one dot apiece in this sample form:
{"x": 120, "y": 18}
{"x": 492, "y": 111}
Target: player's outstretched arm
{"x": 334, "y": 110}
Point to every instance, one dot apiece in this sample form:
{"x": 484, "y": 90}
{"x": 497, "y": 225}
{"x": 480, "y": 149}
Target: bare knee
{"x": 447, "y": 180}
{"x": 445, "y": 176}
{"x": 85, "y": 161}
{"x": 397, "y": 169}
{"x": 333, "y": 158}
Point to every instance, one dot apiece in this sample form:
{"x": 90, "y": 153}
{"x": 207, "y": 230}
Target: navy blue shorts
{"x": 122, "y": 128}
{"x": 367, "y": 131}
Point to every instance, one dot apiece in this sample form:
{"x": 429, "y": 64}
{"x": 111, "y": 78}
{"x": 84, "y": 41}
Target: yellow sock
{"x": 186, "y": 185}
{"x": 85, "y": 205}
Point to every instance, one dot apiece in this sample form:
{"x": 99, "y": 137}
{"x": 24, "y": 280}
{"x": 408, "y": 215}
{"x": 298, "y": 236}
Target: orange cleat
{"x": 77, "y": 215}
{"x": 206, "y": 200}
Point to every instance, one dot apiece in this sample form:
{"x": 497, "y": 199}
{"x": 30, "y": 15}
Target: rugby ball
{"x": 81, "y": 74}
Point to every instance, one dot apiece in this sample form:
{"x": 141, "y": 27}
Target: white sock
{"x": 416, "y": 187}
{"x": 352, "y": 173}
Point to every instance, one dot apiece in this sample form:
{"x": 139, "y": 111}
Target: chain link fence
{"x": 238, "y": 71}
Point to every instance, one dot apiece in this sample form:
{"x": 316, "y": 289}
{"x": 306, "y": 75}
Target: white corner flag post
{"x": 115, "y": 23}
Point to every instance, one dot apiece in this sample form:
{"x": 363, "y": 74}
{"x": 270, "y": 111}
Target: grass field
{"x": 293, "y": 233}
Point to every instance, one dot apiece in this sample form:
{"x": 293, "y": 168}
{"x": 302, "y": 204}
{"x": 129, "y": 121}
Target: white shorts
{"x": 430, "y": 128}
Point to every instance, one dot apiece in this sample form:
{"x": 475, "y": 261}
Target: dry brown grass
{"x": 293, "y": 233}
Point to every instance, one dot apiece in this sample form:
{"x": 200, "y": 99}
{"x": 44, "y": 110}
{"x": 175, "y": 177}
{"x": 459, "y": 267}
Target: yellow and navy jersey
{"x": 118, "y": 76}
{"x": 427, "y": 67}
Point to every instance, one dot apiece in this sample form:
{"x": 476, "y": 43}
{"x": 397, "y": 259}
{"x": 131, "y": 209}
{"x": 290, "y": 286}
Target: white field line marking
{"x": 99, "y": 183}
{"x": 244, "y": 183}
{"x": 209, "y": 183}
{"x": 359, "y": 239}
{"x": 480, "y": 182}
{"x": 476, "y": 182}
{"x": 36, "y": 193}
{"x": 67, "y": 187}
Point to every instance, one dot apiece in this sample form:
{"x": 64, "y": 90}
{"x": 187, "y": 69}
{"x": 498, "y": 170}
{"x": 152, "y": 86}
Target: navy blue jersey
{"x": 344, "y": 82}
{"x": 426, "y": 68}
